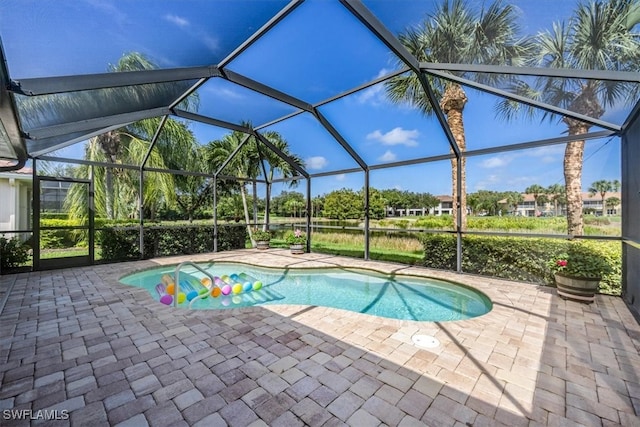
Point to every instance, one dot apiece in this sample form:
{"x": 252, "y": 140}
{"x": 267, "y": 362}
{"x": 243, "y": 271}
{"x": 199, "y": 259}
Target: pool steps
{"x": 177, "y": 281}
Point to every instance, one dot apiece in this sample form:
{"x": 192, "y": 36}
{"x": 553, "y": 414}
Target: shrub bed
{"x": 122, "y": 243}
{"x": 516, "y": 258}
{"x": 13, "y": 253}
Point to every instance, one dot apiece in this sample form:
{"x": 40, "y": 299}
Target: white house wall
{"x": 8, "y": 204}
{"x": 15, "y": 203}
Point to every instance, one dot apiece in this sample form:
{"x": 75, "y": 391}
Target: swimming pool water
{"x": 400, "y": 297}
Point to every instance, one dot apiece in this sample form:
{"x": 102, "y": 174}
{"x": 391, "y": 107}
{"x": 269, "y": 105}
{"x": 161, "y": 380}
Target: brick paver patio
{"x": 77, "y": 340}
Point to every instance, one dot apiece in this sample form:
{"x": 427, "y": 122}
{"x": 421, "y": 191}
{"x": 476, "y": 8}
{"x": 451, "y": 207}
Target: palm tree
{"x": 535, "y": 190}
{"x": 556, "y": 194}
{"x": 245, "y": 165}
{"x": 129, "y": 145}
{"x": 456, "y": 33}
{"x": 601, "y": 187}
{"x": 294, "y": 206}
{"x": 193, "y": 192}
{"x": 615, "y": 185}
{"x": 276, "y": 164}
{"x": 612, "y": 202}
{"x": 598, "y": 37}
{"x": 116, "y": 189}
{"x": 513, "y": 200}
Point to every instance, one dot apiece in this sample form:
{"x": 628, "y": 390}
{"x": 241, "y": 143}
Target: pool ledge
{"x": 503, "y": 294}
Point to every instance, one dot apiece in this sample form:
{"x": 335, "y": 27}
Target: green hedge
{"x": 122, "y": 243}
{"x": 13, "y": 253}
{"x": 517, "y": 258}
{"x": 63, "y": 238}
{"x": 69, "y": 238}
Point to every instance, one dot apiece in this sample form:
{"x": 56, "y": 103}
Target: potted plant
{"x": 296, "y": 240}
{"x": 578, "y": 273}
{"x": 262, "y": 239}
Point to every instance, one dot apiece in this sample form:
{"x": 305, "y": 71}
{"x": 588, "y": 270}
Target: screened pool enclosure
{"x": 458, "y": 99}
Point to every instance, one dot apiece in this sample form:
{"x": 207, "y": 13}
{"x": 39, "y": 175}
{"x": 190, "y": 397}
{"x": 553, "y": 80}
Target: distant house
{"x": 445, "y": 207}
{"x": 590, "y": 203}
{"x": 15, "y": 195}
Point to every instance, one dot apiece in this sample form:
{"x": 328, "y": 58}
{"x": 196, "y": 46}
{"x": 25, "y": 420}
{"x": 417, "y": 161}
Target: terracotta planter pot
{"x": 297, "y": 249}
{"x": 262, "y": 244}
{"x": 577, "y": 288}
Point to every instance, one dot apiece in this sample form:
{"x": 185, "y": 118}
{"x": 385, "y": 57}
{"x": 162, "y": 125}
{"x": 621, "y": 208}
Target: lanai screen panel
{"x": 316, "y": 52}
{"x": 313, "y": 144}
{"x": 607, "y": 102}
{"x": 44, "y": 111}
{"x": 85, "y": 37}
{"x": 227, "y": 101}
{"x": 393, "y": 132}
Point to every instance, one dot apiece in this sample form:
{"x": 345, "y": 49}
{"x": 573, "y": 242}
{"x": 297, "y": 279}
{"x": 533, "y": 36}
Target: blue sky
{"x": 318, "y": 51}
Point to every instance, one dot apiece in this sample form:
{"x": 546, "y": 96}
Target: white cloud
{"x": 212, "y": 43}
{"x": 495, "y": 162}
{"x": 388, "y": 156}
{"x": 223, "y": 92}
{"x": 316, "y": 162}
{"x": 120, "y": 18}
{"x": 552, "y": 150}
{"x": 374, "y": 94}
{"x": 370, "y": 94}
{"x": 549, "y": 159}
{"x": 396, "y": 136}
{"x": 492, "y": 181}
{"x": 341, "y": 177}
{"x": 177, "y": 20}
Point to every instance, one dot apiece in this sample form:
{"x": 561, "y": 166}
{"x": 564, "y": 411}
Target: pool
{"x": 398, "y": 297}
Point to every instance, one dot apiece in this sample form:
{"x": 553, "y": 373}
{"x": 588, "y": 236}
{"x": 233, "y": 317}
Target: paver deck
{"x": 76, "y": 340}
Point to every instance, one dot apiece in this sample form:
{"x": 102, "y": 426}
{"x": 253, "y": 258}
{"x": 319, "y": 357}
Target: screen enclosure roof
{"x": 318, "y": 72}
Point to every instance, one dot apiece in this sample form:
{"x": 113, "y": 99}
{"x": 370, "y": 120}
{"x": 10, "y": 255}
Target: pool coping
{"x": 495, "y": 289}
{"x": 362, "y": 270}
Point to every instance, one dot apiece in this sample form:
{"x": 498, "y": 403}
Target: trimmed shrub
{"x": 54, "y": 215}
{"x": 13, "y": 253}
{"x": 122, "y": 243}
{"x": 62, "y": 238}
{"x": 516, "y": 258}
{"x": 119, "y": 244}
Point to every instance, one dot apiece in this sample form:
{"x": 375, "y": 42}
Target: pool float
{"x": 188, "y": 290}
{"x": 247, "y": 286}
{"x": 255, "y": 283}
{"x": 170, "y": 288}
{"x": 225, "y": 286}
{"x": 165, "y": 298}
{"x": 199, "y": 287}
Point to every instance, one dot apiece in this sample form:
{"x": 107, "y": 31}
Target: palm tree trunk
{"x": 585, "y": 103}
{"x": 267, "y": 201}
{"x": 573, "y": 158}
{"x": 452, "y": 103}
{"x": 243, "y": 193}
{"x": 108, "y": 197}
